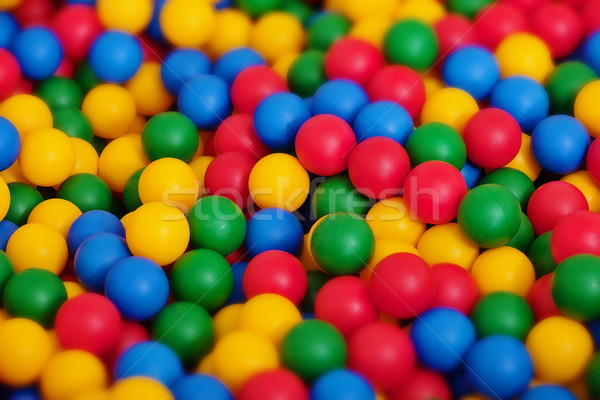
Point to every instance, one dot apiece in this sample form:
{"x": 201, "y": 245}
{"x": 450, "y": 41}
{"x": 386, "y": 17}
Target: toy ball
{"x": 91, "y": 223}
{"x": 337, "y": 194}
{"x": 591, "y": 375}
{"x": 445, "y": 243}
{"x": 559, "y": 26}
{"x": 88, "y": 322}
{"x": 398, "y": 84}
{"x": 47, "y": 157}
{"x": 38, "y": 51}
{"x": 325, "y": 29}
{"x": 526, "y": 54}
{"x": 191, "y": 385}
{"x": 236, "y": 133}
{"x": 115, "y": 56}
{"x": 19, "y": 199}
{"x": 138, "y": 388}
{"x": 307, "y": 73}
{"x": 10, "y": 27}
{"x": 455, "y": 288}
{"x": 422, "y": 384}
{"x": 10, "y": 145}
{"x": 342, "y": 384}
{"x": 503, "y": 269}
{"x": 402, "y": 285}
{"x": 59, "y": 92}
{"x": 353, "y": 59}
{"x": 180, "y": 66}
{"x": 493, "y": 24}
{"x": 277, "y": 119}
{"x": 227, "y": 175}
{"x": 273, "y": 229}
{"x": 339, "y": 97}
{"x": 411, "y": 43}
{"x": 453, "y": 31}
{"x": 548, "y": 392}
{"x": 593, "y": 161}
{"x": 585, "y": 102}
{"x": 131, "y": 333}
{"x": 205, "y": 100}
{"x": 514, "y": 180}
{"x": 436, "y": 141}
{"x": 324, "y": 144}
{"x": 230, "y": 64}
{"x": 87, "y": 191}
{"x": 254, "y": 84}
{"x": 7, "y": 228}
{"x": 95, "y": 256}
{"x": 111, "y": 110}
{"x": 473, "y": 69}
{"x": 383, "y": 118}
{"x": 378, "y": 167}
{"x": 565, "y": 82}
{"x": 76, "y": 26}
{"x": 574, "y": 286}
{"x": 502, "y": 313}
{"x": 10, "y": 73}
{"x": 541, "y": 256}
{"x": 524, "y": 236}
{"x": 179, "y": 22}
{"x": 276, "y": 384}
{"x": 36, "y": 245}
{"x": 152, "y": 360}
{"x": 508, "y": 375}
{"x": 471, "y": 173}
{"x": 433, "y": 191}
{"x": 590, "y": 51}
{"x": 170, "y": 134}
{"x": 451, "y": 106}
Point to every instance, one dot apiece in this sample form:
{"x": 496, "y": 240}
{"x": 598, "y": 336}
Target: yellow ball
{"x": 120, "y": 159}
{"x": 73, "y": 289}
{"x": 14, "y": 174}
{"x": 36, "y": 245}
{"x": 372, "y": 29}
{"x": 389, "y": 218}
{"x": 277, "y": 34}
{"x": 242, "y": 354}
{"x": 445, "y": 243}
{"x": 306, "y": 257}
{"x": 560, "y": 348}
{"x": 587, "y": 103}
{"x": 27, "y": 113}
{"x": 432, "y": 84}
{"x": 8, "y": 4}
{"x": 283, "y": 64}
{"x": 70, "y": 373}
{"x": 583, "y": 181}
{"x": 270, "y": 315}
{"x": 4, "y": 199}
{"x": 524, "y": 161}
{"x": 137, "y": 125}
{"x": 47, "y": 157}
{"x": 159, "y": 232}
{"x": 503, "y": 269}
{"x": 205, "y": 366}
{"x": 279, "y": 180}
{"x": 58, "y": 214}
{"x": 226, "y": 320}
{"x": 127, "y": 15}
{"x": 427, "y": 11}
{"x": 96, "y": 394}
{"x": 383, "y": 248}
{"x": 524, "y": 54}
{"x": 149, "y": 93}
{"x": 187, "y": 23}
{"x": 232, "y": 29}
{"x": 25, "y": 348}
{"x": 171, "y": 181}
{"x": 451, "y": 106}
{"x": 359, "y": 9}
{"x": 125, "y": 219}
{"x": 86, "y": 157}
{"x": 199, "y": 166}
{"x": 139, "y": 388}
{"x": 110, "y": 109}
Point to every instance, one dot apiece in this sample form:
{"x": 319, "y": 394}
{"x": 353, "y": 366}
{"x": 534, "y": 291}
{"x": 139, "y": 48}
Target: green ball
{"x": 312, "y": 348}
{"x": 187, "y": 329}
{"x": 170, "y": 134}
{"x": 99, "y": 144}
{"x": 489, "y": 215}
{"x": 299, "y": 9}
{"x": 307, "y": 73}
{"x": 540, "y": 255}
{"x": 58, "y": 92}
{"x": 73, "y": 122}
{"x": 35, "y": 294}
{"x": 216, "y": 223}
{"x": 88, "y": 192}
{"x": 202, "y": 277}
{"x": 326, "y": 29}
{"x": 342, "y": 243}
{"x": 502, "y": 313}
{"x": 85, "y": 77}
{"x": 592, "y": 376}
{"x": 514, "y": 180}
{"x": 468, "y": 8}
{"x": 436, "y": 141}
{"x": 23, "y": 199}
{"x": 257, "y": 8}
{"x": 316, "y": 280}
{"x": 411, "y": 43}
{"x": 576, "y": 287}
{"x": 337, "y": 194}
{"x": 564, "y": 83}
{"x": 6, "y": 271}
{"x": 117, "y": 208}
{"x": 131, "y": 194}
{"x": 524, "y": 236}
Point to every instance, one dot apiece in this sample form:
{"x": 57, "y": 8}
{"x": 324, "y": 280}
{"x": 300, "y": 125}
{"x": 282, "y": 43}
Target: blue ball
{"x": 559, "y": 144}
{"x": 591, "y": 51}
{"x": 230, "y": 64}
{"x": 592, "y": 326}
{"x": 473, "y": 69}
{"x": 499, "y": 366}
{"x": 205, "y": 100}
{"x": 442, "y": 337}
{"x": 90, "y": 223}
{"x": 96, "y": 256}
{"x": 7, "y": 228}
{"x": 180, "y": 66}
{"x": 523, "y": 98}
{"x": 38, "y": 51}
{"x": 273, "y": 229}
{"x": 221, "y": 4}
{"x": 88, "y": 2}
{"x": 26, "y": 393}
{"x": 10, "y": 144}
{"x": 8, "y": 29}
{"x": 237, "y": 292}
{"x": 548, "y": 392}
{"x": 472, "y": 174}
{"x": 154, "y": 30}
{"x": 340, "y": 97}
{"x": 150, "y": 359}
{"x": 138, "y": 287}
{"x": 341, "y": 384}
{"x": 115, "y": 56}
{"x": 277, "y": 119}
{"x": 383, "y": 118}
{"x": 200, "y": 387}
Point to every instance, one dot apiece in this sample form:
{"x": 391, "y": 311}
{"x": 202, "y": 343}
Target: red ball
{"x": 433, "y": 190}
{"x": 236, "y": 133}
{"x": 10, "y": 74}
{"x": 354, "y": 59}
{"x": 540, "y": 298}
{"x": 593, "y": 161}
{"x": 277, "y": 384}
{"x": 324, "y": 144}
{"x": 88, "y": 322}
{"x": 455, "y": 288}
{"x": 275, "y": 271}
{"x": 345, "y": 303}
{"x": 378, "y": 167}
{"x": 454, "y": 31}
{"x": 590, "y": 16}
{"x": 527, "y": 5}
{"x": 34, "y": 12}
{"x": 209, "y": 146}
{"x": 25, "y": 87}
{"x": 493, "y": 23}
{"x": 423, "y": 385}
{"x": 577, "y": 233}
{"x": 551, "y": 202}
{"x": 66, "y": 68}
{"x": 402, "y": 285}
{"x": 492, "y": 137}
{"x": 77, "y": 26}
{"x": 383, "y": 354}
{"x": 151, "y": 51}
{"x": 399, "y": 84}
{"x": 227, "y": 175}
{"x": 131, "y": 333}
{"x": 254, "y": 84}
{"x": 560, "y": 26}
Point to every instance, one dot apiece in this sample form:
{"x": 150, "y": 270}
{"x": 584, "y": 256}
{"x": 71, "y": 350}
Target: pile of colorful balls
{"x": 299, "y": 199}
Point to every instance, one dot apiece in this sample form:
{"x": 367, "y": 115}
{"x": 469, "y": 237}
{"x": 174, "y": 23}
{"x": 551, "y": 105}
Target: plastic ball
{"x": 227, "y": 175}
{"x": 131, "y": 333}
{"x": 455, "y": 288}
{"x": 90, "y": 223}
{"x": 307, "y": 73}
{"x": 514, "y": 180}
{"x": 149, "y": 359}
{"x": 585, "y": 102}
{"x": 139, "y": 388}
{"x": 150, "y": 95}
{"x": 502, "y": 313}
{"x": 523, "y": 98}
{"x": 202, "y": 385}
{"x": 565, "y": 82}
{"x": 10, "y": 73}
{"x": 524, "y": 54}
{"x": 583, "y": 181}
{"x": 37, "y": 246}
{"x": 548, "y": 392}
{"x": 411, "y": 43}
{"x": 436, "y": 141}
{"x": 76, "y": 26}
{"x": 179, "y": 22}
{"x": 560, "y": 26}
{"x": 353, "y": 59}
{"x": 277, "y": 34}
{"x": 10, "y": 145}
{"x": 451, "y": 106}
{"x": 271, "y": 385}
{"x": 27, "y": 113}
{"x": 422, "y": 384}
{"x": 132, "y": 16}
{"x": 237, "y": 133}
{"x": 383, "y": 118}
{"x": 592, "y": 161}
{"x": 170, "y": 134}
{"x": 73, "y": 122}
{"x": 60, "y": 92}
{"x": 257, "y": 83}
{"x": 55, "y": 213}
{"x": 591, "y": 375}
{"x": 589, "y": 49}
{"x": 495, "y": 22}
{"x": 96, "y": 256}
{"x": 230, "y": 64}
{"x": 232, "y": 30}
{"x": 180, "y": 66}
{"x": 277, "y": 119}
{"x": 541, "y": 256}
{"x": 273, "y": 229}
{"x": 472, "y": 69}
{"x": 115, "y": 56}
{"x": 503, "y": 269}
{"x": 342, "y": 384}
{"x": 87, "y": 191}
{"x": 38, "y": 51}
{"x": 452, "y": 31}
{"x": 445, "y": 243}
{"x": 467, "y": 8}
{"x": 171, "y": 181}
{"x": 120, "y": 159}
{"x": 7, "y": 228}
{"x": 325, "y": 29}
{"x": 339, "y": 97}
{"x": 86, "y": 157}
{"x": 110, "y": 109}
{"x": 399, "y": 84}
{"x": 524, "y": 236}
{"x": 18, "y": 201}
{"x": 205, "y": 100}
{"x": 573, "y": 287}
